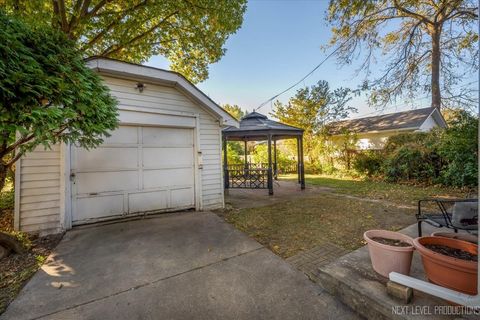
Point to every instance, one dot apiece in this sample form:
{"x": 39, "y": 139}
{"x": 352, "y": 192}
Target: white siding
{"x": 39, "y": 204}
{"x": 369, "y": 140}
{"x": 170, "y": 99}
{"x": 39, "y": 188}
{"x": 429, "y": 124}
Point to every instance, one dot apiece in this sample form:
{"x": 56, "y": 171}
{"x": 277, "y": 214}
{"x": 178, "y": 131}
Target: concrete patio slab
{"x": 283, "y": 190}
{"x": 175, "y": 266}
{"x": 352, "y": 279}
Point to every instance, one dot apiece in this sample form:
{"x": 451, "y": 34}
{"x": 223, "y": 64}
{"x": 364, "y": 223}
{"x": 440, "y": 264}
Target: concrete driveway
{"x": 175, "y": 266}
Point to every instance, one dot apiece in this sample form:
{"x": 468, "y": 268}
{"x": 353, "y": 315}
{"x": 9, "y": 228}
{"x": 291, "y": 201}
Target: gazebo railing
{"x": 238, "y": 177}
{"x": 248, "y": 165}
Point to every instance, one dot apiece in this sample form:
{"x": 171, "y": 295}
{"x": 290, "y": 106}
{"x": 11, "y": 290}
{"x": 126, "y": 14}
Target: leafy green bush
{"x": 412, "y": 161}
{"x": 368, "y": 162}
{"x": 48, "y": 94}
{"x": 441, "y": 156}
{"x": 448, "y": 157}
{"x": 7, "y": 199}
{"x": 313, "y": 168}
{"x": 260, "y": 155}
{"x": 459, "y": 149}
{"x": 427, "y": 139}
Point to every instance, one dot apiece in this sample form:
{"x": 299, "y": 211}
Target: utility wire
{"x": 311, "y": 72}
{"x": 301, "y": 80}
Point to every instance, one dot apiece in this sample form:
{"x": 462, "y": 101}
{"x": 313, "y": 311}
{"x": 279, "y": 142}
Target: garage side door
{"x": 137, "y": 169}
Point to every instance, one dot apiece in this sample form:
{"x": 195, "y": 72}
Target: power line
{"x": 299, "y": 81}
{"x": 315, "y": 69}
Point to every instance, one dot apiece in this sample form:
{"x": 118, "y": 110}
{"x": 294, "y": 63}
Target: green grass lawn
{"x": 292, "y": 225}
{"x": 402, "y": 194}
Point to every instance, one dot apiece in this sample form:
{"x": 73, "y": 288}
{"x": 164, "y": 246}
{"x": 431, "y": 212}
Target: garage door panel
{"x": 165, "y": 157}
{"x": 167, "y": 136}
{"x": 167, "y": 178}
{"x": 108, "y": 158}
{"x": 98, "y": 207}
{"x": 137, "y": 169}
{"x": 99, "y": 182}
{"x": 147, "y": 201}
{"x": 122, "y": 135}
{"x": 181, "y": 197}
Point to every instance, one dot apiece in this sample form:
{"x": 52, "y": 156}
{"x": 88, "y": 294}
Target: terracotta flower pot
{"x": 460, "y": 236}
{"x": 388, "y": 258}
{"x": 446, "y": 271}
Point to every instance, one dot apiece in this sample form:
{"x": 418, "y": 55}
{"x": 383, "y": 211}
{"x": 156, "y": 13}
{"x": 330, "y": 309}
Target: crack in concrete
{"x": 147, "y": 283}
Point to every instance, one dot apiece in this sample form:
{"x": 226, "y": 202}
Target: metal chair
{"x": 456, "y": 214}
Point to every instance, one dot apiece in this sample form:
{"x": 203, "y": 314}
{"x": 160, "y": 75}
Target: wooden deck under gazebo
{"x": 257, "y": 127}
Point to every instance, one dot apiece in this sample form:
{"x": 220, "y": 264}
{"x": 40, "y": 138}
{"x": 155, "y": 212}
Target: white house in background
{"x": 165, "y": 156}
{"x": 372, "y": 132}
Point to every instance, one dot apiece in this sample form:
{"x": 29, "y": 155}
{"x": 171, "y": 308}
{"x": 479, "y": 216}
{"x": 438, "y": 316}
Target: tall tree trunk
{"x": 3, "y": 174}
{"x": 435, "y": 82}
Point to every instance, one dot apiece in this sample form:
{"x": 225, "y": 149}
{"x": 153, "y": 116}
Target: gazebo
{"x": 257, "y": 127}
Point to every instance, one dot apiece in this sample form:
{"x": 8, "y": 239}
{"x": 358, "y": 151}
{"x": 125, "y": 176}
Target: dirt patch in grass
{"x": 17, "y": 269}
{"x": 292, "y": 226}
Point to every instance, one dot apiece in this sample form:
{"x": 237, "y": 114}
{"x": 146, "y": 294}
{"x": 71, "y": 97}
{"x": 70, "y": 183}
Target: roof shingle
{"x": 392, "y": 121}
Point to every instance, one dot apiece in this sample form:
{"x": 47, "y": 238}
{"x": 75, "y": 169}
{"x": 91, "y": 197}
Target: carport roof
{"x": 256, "y": 126}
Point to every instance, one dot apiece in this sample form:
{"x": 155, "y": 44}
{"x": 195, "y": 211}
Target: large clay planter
{"x": 460, "y": 236}
{"x": 386, "y": 258}
{"x": 449, "y": 272}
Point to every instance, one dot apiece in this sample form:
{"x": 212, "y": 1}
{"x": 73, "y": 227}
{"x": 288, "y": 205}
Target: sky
{"x": 278, "y": 43}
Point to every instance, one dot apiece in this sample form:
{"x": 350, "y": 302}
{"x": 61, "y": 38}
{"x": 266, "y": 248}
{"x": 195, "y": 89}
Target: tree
{"x": 47, "y": 94}
{"x": 311, "y": 109}
{"x": 235, "y": 111}
{"x": 190, "y": 33}
{"x": 347, "y": 148}
{"x": 235, "y": 148}
{"x": 428, "y": 45}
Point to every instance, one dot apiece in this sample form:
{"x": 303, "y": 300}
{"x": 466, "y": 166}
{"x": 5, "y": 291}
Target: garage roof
{"x": 164, "y": 77}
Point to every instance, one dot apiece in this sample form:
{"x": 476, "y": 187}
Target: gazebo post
{"x": 269, "y": 175}
{"x": 245, "y": 152}
{"x": 299, "y": 161}
{"x": 275, "y": 166}
{"x": 225, "y": 164}
{"x": 302, "y": 166}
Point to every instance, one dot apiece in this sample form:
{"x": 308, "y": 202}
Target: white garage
{"x": 164, "y": 156}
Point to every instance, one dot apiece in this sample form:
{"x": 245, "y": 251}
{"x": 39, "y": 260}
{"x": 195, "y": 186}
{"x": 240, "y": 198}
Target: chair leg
{"x": 456, "y": 230}
{"x": 420, "y": 228}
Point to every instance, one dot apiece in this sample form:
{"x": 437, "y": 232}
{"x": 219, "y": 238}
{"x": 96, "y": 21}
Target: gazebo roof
{"x": 256, "y": 126}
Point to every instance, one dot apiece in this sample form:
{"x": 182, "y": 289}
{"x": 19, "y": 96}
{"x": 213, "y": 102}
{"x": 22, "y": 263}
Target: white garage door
{"x": 137, "y": 169}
